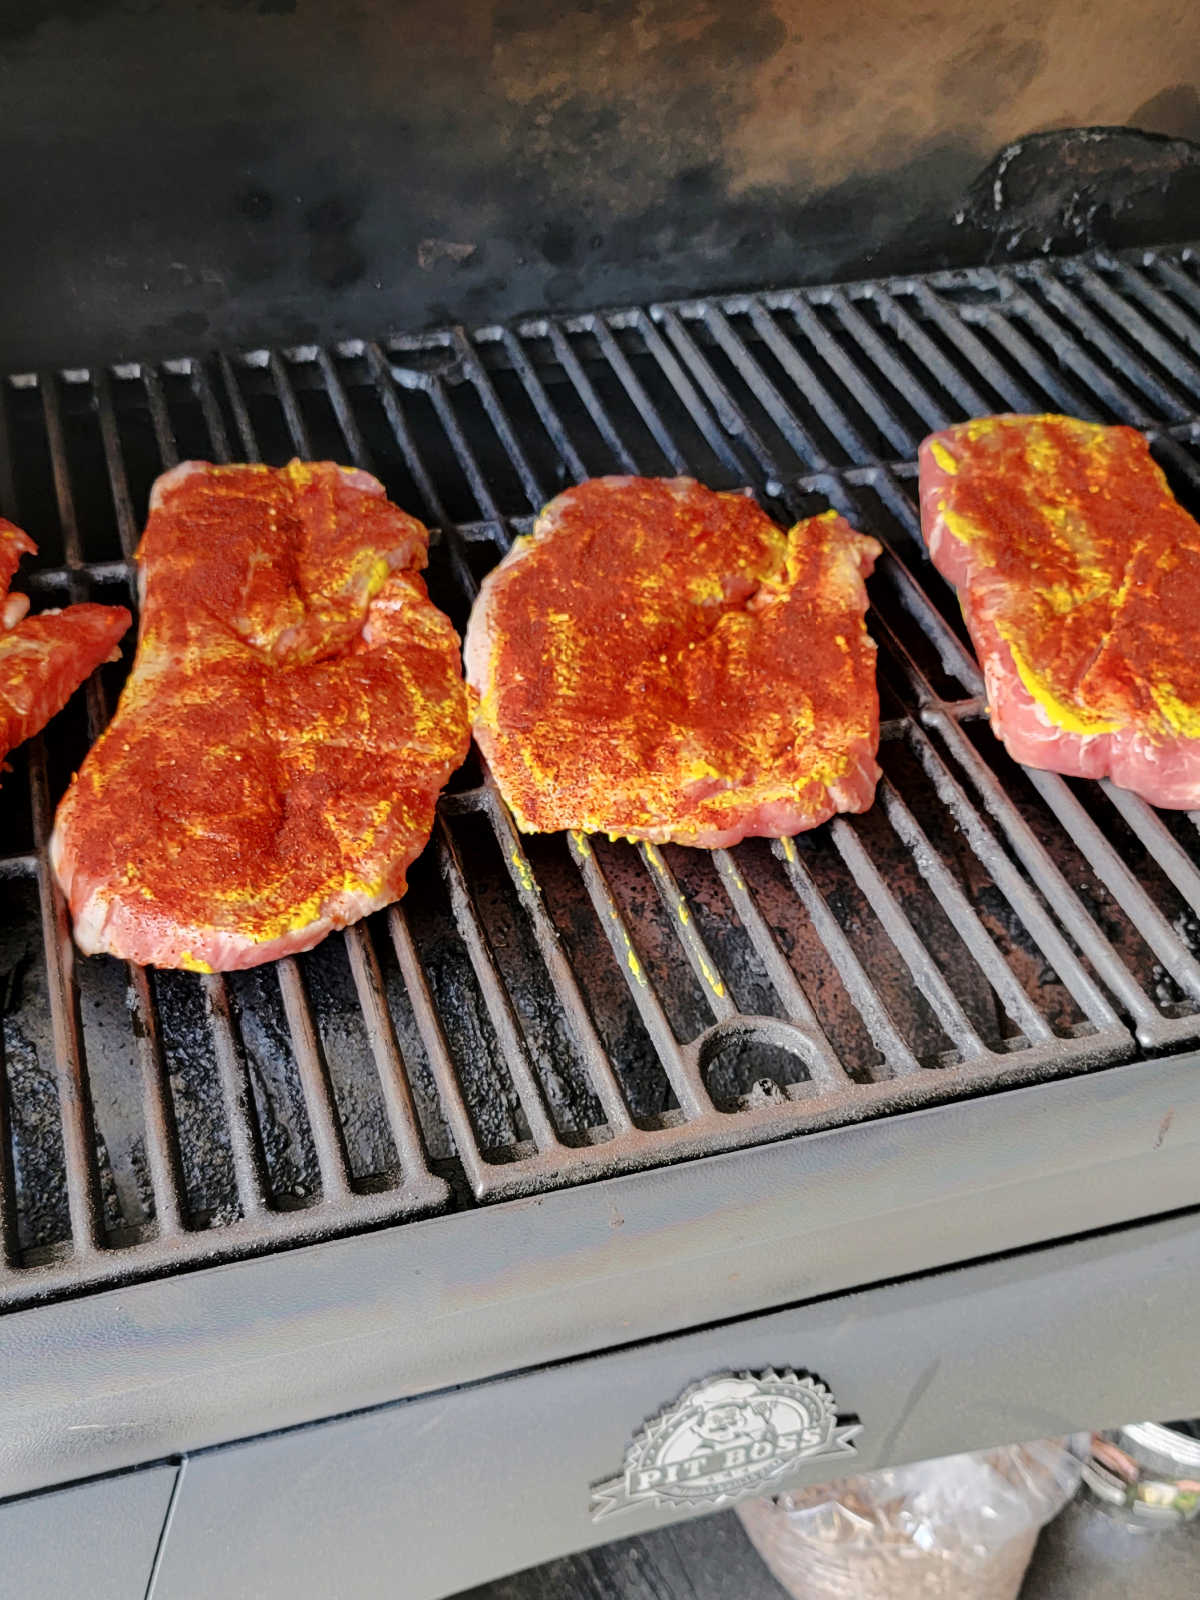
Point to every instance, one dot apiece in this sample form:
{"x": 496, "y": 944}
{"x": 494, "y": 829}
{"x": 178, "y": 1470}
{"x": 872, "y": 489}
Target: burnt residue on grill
{"x": 1067, "y": 189}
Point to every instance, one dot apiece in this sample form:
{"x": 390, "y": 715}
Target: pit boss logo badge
{"x": 730, "y": 1436}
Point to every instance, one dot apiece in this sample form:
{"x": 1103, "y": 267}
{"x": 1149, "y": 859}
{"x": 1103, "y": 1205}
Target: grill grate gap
{"x": 491, "y": 1100}
{"x": 278, "y": 1097}
{"x": 573, "y": 1105}
{"x": 361, "y": 1111}
{"x": 206, "y": 1157}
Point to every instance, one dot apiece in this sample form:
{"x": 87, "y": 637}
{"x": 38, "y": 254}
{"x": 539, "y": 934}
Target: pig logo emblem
{"x": 732, "y": 1435}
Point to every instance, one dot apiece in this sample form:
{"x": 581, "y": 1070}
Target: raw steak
{"x": 660, "y": 662}
{"x": 13, "y": 545}
{"x": 44, "y": 659}
{"x": 1079, "y": 578}
{"x": 294, "y": 709}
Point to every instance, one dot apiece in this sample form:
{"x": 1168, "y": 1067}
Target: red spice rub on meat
{"x": 1079, "y": 578}
{"x": 44, "y": 659}
{"x": 294, "y": 710}
{"x": 657, "y": 661}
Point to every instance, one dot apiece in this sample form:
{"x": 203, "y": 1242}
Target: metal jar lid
{"x": 1147, "y": 1472}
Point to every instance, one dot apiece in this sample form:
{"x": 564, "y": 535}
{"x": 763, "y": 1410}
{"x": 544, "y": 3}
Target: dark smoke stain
{"x": 335, "y": 258}
{"x": 991, "y": 71}
{"x": 20, "y": 20}
{"x": 558, "y": 243}
{"x": 1174, "y": 111}
{"x": 187, "y": 325}
{"x": 254, "y": 204}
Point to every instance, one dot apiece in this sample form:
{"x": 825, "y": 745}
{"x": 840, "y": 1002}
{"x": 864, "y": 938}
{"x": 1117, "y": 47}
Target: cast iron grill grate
{"x": 539, "y": 1011}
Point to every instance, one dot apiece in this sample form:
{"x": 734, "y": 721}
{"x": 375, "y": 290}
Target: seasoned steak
{"x": 1079, "y": 577}
{"x": 294, "y": 709}
{"x": 44, "y": 659}
{"x": 660, "y": 662}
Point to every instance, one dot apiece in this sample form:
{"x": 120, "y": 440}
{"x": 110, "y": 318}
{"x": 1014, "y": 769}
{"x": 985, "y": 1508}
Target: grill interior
{"x": 542, "y": 1010}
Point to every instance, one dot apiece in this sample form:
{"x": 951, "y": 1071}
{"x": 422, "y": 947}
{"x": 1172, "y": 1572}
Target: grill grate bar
{"x": 1180, "y": 285}
{"x": 495, "y": 995}
{"x": 333, "y": 1163}
{"x": 649, "y": 412}
{"x": 1119, "y": 881}
{"x": 549, "y": 417}
{"x": 1120, "y": 401}
{"x": 857, "y": 383}
{"x": 209, "y": 409}
{"x": 1046, "y": 874}
{"x": 1136, "y": 327}
{"x": 909, "y": 333}
{"x": 562, "y": 976}
{"x": 960, "y": 333}
{"x": 419, "y": 1184}
{"x": 1135, "y": 281}
{"x": 9, "y": 1251}
{"x": 161, "y": 1137}
{"x": 1016, "y": 891}
{"x": 1059, "y": 385}
{"x": 807, "y": 381}
{"x": 164, "y": 432}
{"x": 730, "y": 418}
{"x": 700, "y": 958}
{"x": 966, "y": 923}
{"x": 114, "y": 460}
{"x": 74, "y": 1093}
{"x": 880, "y": 1024}
{"x": 247, "y": 439}
{"x": 64, "y": 499}
{"x": 570, "y": 364}
{"x": 245, "y": 1143}
{"x": 882, "y": 359}
{"x": 498, "y": 417}
{"x": 1124, "y": 355}
{"x": 433, "y": 508}
{"x": 1014, "y": 888}
{"x": 342, "y": 410}
{"x": 686, "y": 390}
{"x": 681, "y": 1070}
{"x": 824, "y": 1067}
{"x": 772, "y": 401}
{"x": 925, "y": 972}
{"x": 1158, "y": 839}
{"x": 437, "y": 1051}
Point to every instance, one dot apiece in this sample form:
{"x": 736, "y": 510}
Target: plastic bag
{"x": 962, "y": 1528}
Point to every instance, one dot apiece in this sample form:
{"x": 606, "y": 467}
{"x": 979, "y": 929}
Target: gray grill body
{"x": 568, "y": 1096}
